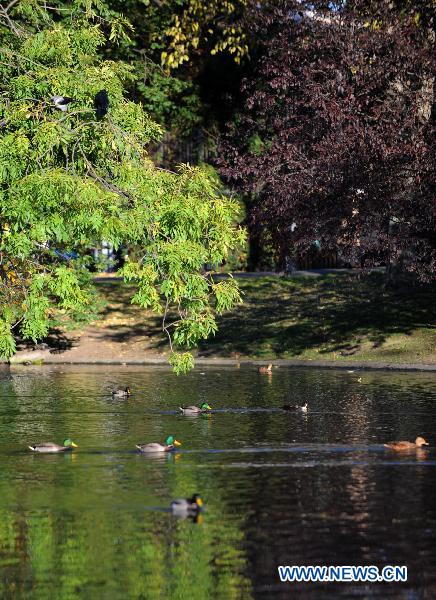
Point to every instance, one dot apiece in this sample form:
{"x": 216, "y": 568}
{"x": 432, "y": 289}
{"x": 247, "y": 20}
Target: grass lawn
{"x": 332, "y": 317}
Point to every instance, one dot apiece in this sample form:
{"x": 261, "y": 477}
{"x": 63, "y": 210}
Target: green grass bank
{"x": 331, "y": 318}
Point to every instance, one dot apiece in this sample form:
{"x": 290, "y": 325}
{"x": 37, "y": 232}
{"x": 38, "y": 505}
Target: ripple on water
{"x": 279, "y": 487}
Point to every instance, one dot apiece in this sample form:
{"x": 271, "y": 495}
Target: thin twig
{"x": 164, "y": 327}
{"x": 111, "y": 187}
{"x": 9, "y": 21}
{"x": 10, "y": 5}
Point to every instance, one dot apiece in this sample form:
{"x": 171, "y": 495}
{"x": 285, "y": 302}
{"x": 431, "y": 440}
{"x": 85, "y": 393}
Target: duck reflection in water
{"x": 188, "y": 508}
{"x": 168, "y": 457}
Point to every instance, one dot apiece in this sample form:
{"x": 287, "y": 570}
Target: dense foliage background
{"x": 320, "y": 115}
{"x": 334, "y": 141}
{"x": 70, "y": 179}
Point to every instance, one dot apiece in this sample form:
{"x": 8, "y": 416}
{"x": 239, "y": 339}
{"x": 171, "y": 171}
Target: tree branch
{"x": 9, "y": 21}
{"x": 10, "y": 5}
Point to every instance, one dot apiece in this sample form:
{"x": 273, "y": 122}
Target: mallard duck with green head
{"x": 170, "y": 444}
{"x": 195, "y": 410}
{"x": 51, "y": 447}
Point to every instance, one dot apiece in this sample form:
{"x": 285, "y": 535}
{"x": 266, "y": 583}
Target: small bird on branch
{"x": 61, "y": 102}
{"x": 101, "y": 103}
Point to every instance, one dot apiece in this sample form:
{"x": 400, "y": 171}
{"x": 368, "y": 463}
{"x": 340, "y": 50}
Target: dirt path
{"x": 278, "y": 318}
{"x": 103, "y": 345}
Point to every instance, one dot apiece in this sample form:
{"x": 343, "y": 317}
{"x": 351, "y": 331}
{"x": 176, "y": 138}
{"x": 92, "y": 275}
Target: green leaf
{"x": 182, "y": 363}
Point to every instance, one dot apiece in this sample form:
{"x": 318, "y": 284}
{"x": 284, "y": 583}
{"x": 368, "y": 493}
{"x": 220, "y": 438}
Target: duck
{"x": 187, "y": 506}
{"x": 302, "y": 408}
{"x": 265, "y": 369}
{"x": 170, "y": 444}
{"x": 195, "y": 410}
{"x": 51, "y": 447}
{"x": 402, "y": 445}
{"x": 122, "y": 393}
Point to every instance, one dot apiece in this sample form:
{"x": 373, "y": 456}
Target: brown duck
{"x": 400, "y": 446}
{"x": 265, "y": 369}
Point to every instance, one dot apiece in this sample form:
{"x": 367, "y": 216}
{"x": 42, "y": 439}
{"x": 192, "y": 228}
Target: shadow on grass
{"x": 287, "y": 317}
{"x": 57, "y": 342}
{"x": 123, "y": 321}
{"x": 330, "y": 314}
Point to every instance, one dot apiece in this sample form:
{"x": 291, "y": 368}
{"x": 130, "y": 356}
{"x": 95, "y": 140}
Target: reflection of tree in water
{"x": 79, "y": 528}
{"x": 108, "y": 553}
{"x": 84, "y": 525}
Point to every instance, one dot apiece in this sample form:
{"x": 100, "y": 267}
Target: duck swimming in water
{"x": 402, "y": 445}
{"x": 170, "y": 444}
{"x": 51, "y": 447}
{"x": 265, "y": 369}
{"x": 122, "y": 393}
{"x": 195, "y": 410}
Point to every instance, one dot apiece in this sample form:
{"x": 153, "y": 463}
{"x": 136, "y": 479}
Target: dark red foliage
{"x": 336, "y": 133}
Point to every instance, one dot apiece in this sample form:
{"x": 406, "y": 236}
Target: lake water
{"x": 279, "y": 488}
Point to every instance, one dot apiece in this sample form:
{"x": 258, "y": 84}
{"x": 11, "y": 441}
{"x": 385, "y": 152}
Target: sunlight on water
{"x": 279, "y": 487}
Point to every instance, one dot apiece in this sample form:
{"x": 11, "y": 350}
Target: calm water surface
{"x": 279, "y": 488}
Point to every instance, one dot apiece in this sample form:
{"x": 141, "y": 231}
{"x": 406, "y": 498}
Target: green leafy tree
{"x": 199, "y": 27}
{"x": 169, "y": 45}
{"x": 182, "y": 32}
{"x": 173, "y": 99}
{"x": 70, "y": 178}
{"x": 174, "y": 103}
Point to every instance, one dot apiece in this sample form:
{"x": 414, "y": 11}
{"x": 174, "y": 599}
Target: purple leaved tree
{"x": 334, "y": 140}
